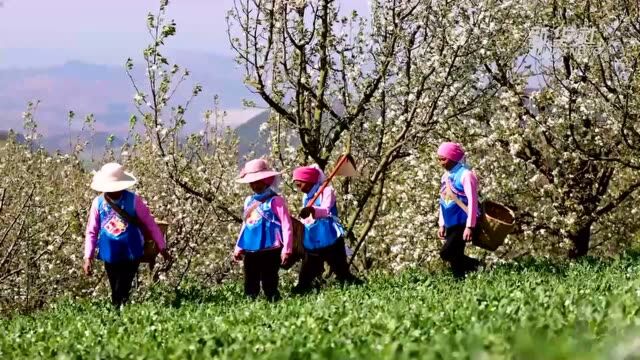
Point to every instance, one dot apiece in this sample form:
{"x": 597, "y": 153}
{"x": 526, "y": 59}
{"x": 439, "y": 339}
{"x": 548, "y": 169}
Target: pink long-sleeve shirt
{"x": 281, "y": 210}
{"x": 327, "y": 202}
{"x": 470, "y": 185}
{"x": 94, "y": 226}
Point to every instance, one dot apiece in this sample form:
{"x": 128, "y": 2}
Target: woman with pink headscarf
{"x": 323, "y": 234}
{"x": 459, "y": 185}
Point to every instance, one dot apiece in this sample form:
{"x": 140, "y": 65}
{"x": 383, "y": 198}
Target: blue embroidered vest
{"x": 452, "y": 213}
{"x": 261, "y": 229}
{"x": 322, "y": 232}
{"x": 118, "y": 240}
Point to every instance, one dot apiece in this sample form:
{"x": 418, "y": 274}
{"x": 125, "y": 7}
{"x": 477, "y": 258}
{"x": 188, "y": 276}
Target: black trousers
{"x": 261, "y": 267}
{"x": 313, "y": 266}
{"x": 121, "y": 276}
{"x": 453, "y": 252}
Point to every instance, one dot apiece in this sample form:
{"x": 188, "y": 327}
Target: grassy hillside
{"x": 531, "y": 311}
{"x": 4, "y": 137}
{"x": 250, "y": 139}
{"x": 249, "y": 134}
{"x": 61, "y": 143}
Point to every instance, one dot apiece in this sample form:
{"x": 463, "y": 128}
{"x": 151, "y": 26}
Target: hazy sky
{"x": 107, "y": 31}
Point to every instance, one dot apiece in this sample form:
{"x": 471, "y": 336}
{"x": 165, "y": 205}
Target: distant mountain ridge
{"x": 106, "y": 91}
{"x": 97, "y": 142}
{"x": 64, "y": 143}
{"x": 4, "y": 136}
{"x": 249, "y": 134}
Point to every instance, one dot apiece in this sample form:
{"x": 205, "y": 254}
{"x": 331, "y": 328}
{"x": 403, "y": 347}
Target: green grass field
{"x": 537, "y": 310}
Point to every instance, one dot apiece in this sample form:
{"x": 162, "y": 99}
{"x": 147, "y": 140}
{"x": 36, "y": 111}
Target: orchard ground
{"x": 528, "y": 310}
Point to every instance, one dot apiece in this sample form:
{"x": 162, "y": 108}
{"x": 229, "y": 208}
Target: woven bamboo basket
{"x": 495, "y": 224}
{"x": 298, "y": 243}
{"x": 150, "y": 248}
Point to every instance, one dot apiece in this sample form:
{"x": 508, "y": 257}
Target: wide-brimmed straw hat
{"x": 255, "y": 170}
{"x": 112, "y": 178}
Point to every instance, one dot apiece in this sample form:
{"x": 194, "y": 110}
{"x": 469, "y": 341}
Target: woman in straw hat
{"x": 119, "y": 242}
{"x": 323, "y": 235}
{"x": 458, "y": 185}
{"x": 265, "y": 240}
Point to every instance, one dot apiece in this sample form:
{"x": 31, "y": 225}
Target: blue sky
{"x": 46, "y": 32}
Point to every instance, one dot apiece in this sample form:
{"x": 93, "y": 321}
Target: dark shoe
{"x": 459, "y": 274}
{"x": 301, "y": 290}
{"x": 352, "y": 280}
{"x": 273, "y": 298}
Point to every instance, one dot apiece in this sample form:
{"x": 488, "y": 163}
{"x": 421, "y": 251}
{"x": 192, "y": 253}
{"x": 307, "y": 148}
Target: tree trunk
{"x": 581, "y": 240}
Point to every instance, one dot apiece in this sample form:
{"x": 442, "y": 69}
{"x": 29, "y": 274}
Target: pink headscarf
{"x": 451, "y": 151}
{"x": 308, "y": 174}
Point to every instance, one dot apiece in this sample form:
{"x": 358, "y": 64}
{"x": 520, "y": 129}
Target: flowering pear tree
{"x": 563, "y": 151}
{"x": 186, "y": 179}
{"x": 164, "y": 118}
{"x": 541, "y": 94}
{"x": 373, "y": 86}
{"x": 189, "y": 179}
{"x": 42, "y": 214}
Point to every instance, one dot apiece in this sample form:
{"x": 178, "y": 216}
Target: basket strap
{"x": 456, "y": 198}
{"x": 251, "y": 208}
{"x": 255, "y": 206}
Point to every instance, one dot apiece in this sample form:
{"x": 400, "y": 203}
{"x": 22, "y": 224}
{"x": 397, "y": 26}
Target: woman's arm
{"x": 92, "y": 231}
{"x": 327, "y": 203}
{"x": 470, "y": 185}
{"x": 281, "y": 210}
{"x": 144, "y": 215}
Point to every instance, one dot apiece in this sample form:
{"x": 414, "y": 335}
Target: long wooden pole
{"x": 328, "y": 180}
